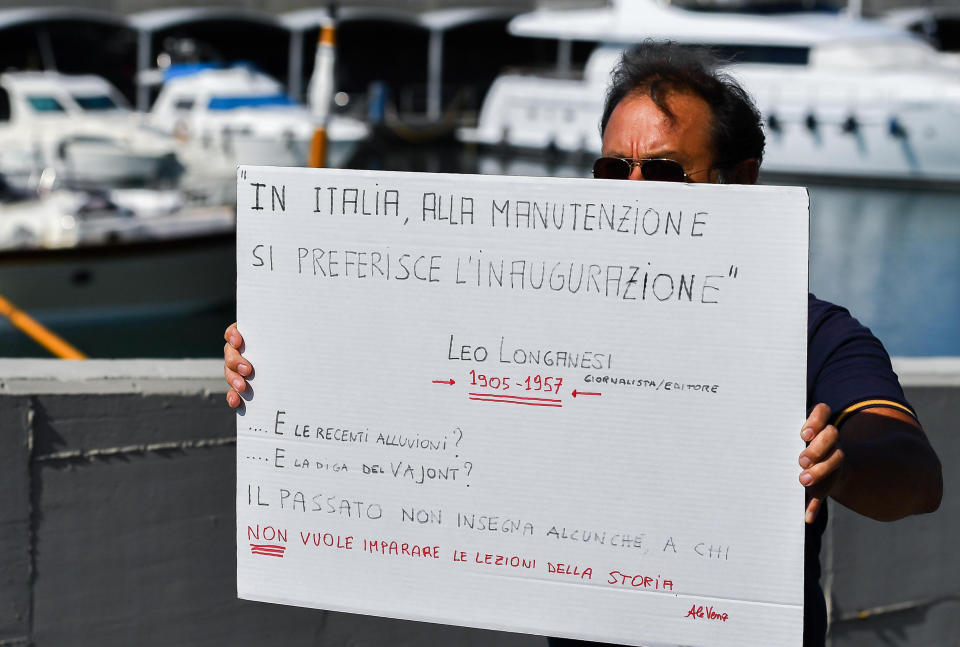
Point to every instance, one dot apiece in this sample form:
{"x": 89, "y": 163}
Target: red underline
{"x": 265, "y": 554}
{"x": 529, "y": 404}
{"x": 514, "y": 397}
{"x": 277, "y": 546}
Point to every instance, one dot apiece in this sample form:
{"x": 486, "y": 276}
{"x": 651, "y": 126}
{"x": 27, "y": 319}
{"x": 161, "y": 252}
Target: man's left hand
{"x": 822, "y": 460}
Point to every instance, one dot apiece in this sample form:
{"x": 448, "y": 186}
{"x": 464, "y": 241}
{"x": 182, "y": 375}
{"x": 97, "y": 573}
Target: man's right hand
{"x": 235, "y": 367}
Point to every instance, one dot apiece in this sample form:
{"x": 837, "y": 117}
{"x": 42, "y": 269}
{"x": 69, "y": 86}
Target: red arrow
{"x": 575, "y": 393}
{"x": 450, "y": 382}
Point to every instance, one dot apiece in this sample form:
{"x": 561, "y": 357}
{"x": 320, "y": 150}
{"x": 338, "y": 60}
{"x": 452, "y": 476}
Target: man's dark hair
{"x": 658, "y": 68}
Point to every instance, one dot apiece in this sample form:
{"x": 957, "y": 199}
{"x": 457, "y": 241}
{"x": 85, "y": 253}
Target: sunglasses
{"x": 657, "y": 169}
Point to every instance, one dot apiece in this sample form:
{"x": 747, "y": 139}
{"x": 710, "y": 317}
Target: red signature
{"x": 700, "y": 612}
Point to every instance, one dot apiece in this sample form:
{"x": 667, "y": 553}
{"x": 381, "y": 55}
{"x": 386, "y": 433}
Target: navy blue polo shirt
{"x": 848, "y": 369}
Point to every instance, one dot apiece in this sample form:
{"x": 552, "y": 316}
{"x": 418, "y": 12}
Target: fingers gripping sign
{"x": 236, "y": 368}
{"x": 822, "y": 461}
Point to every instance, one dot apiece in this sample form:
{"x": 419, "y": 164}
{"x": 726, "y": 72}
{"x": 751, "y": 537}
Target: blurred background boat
{"x": 842, "y": 97}
{"x": 222, "y": 116}
{"x": 104, "y": 255}
{"x": 80, "y": 127}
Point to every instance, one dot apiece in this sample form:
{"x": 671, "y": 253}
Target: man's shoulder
{"x": 846, "y": 363}
{"x": 818, "y": 310}
{"x": 831, "y": 324}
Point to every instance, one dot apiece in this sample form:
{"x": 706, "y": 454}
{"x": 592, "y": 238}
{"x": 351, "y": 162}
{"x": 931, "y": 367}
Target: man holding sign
{"x": 670, "y": 116}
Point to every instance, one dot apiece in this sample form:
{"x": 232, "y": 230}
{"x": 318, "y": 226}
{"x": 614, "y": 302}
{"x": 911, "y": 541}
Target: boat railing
{"x": 547, "y": 71}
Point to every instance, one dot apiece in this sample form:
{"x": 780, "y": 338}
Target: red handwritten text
{"x": 570, "y": 569}
{"x": 708, "y": 613}
{"x": 640, "y": 581}
{"x": 268, "y": 533}
{"x": 545, "y": 383}
{"x": 326, "y": 539}
{"x": 389, "y": 547}
{"x": 513, "y": 561}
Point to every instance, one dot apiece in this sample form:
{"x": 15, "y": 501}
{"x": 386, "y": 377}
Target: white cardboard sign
{"x": 556, "y": 406}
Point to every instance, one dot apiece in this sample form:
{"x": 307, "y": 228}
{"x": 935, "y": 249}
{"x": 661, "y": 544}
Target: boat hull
{"x": 820, "y": 124}
{"x": 108, "y": 281}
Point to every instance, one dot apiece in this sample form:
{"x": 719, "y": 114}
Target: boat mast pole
{"x": 295, "y": 65}
{"x": 564, "y": 57}
{"x": 435, "y": 74}
{"x": 144, "y": 38}
{"x": 38, "y": 332}
{"x": 321, "y": 92}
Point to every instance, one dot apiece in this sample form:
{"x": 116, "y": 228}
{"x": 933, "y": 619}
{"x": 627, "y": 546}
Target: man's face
{"x": 638, "y": 129}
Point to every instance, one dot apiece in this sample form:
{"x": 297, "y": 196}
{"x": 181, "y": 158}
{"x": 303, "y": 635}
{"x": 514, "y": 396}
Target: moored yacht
{"x": 79, "y": 127}
{"x": 85, "y": 255}
{"x": 841, "y": 97}
{"x": 225, "y": 116}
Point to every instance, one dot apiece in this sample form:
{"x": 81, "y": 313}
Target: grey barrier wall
{"x": 117, "y": 523}
{"x": 899, "y": 583}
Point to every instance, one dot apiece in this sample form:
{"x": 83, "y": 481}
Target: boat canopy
{"x": 437, "y": 20}
{"x": 629, "y": 21}
{"x": 55, "y": 81}
{"x": 225, "y": 80}
{"x": 263, "y": 101}
{"x": 180, "y": 70}
{"x": 308, "y": 19}
{"x": 159, "y": 19}
{"x": 30, "y": 15}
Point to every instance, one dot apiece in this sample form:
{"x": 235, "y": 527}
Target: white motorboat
{"x": 841, "y": 97}
{"x": 64, "y": 218}
{"x": 69, "y": 255}
{"x": 225, "y": 116}
{"x": 81, "y": 128}
{"x": 28, "y": 221}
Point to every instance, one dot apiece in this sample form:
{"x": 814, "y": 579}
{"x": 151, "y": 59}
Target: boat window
{"x": 777, "y": 54}
{"x": 4, "y": 105}
{"x": 768, "y": 7}
{"x": 183, "y": 103}
{"x": 948, "y": 34}
{"x": 261, "y": 101}
{"x": 98, "y": 102}
{"x": 44, "y": 104}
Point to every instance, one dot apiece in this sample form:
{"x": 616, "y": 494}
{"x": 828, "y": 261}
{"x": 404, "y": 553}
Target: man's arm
{"x": 879, "y": 464}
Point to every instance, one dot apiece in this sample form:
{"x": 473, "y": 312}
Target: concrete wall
{"x": 117, "y": 523}
{"x": 899, "y": 583}
{"x": 117, "y": 517}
